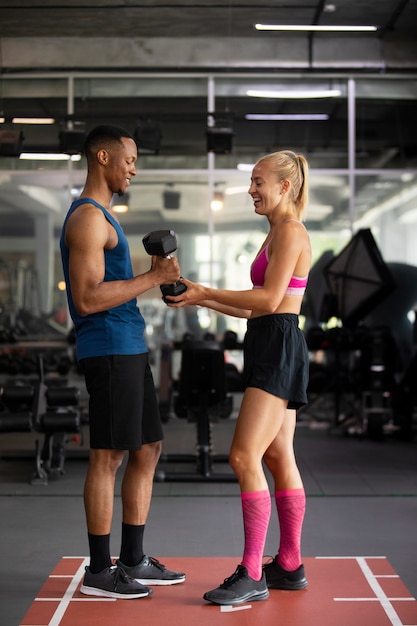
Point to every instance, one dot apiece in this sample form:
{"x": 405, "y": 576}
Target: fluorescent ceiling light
{"x": 230, "y": 191}
{"x": 317, "y": 212}
{"x": 319, "y": 93}
{"x": 316, "y": 28}
{"x": 287, "y": 116}
{"x": 245, "y": 167}
{"x": 43, "y": 156}
{"x": 75, "y": 192}
{"x": 409, "y": 217}
{"x": 33, "y": 120}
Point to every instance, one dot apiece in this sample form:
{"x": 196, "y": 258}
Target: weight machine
{"x": 202, "y": 398}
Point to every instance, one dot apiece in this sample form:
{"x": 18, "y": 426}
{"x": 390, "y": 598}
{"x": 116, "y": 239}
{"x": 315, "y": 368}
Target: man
{"x": 109, "y": 329}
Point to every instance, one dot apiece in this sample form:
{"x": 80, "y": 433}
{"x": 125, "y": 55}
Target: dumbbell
{"x": 163, "y": 243}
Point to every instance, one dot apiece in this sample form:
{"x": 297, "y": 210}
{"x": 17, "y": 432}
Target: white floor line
{"x": 68, "y": 595}
{"x": 227, "y": 608}
{"x": 402, "y": 599}
{"x": 371, "y": 578}
{"x": 380, "y": 595}
{"x": 352, "y": 558}
{"x": 379, "y": 592}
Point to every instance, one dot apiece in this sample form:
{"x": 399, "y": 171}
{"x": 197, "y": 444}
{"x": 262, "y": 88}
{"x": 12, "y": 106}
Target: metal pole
{"x": 70, "y": 126}
{"x": 351, "y": 149}
{"x": 210, "y": 164}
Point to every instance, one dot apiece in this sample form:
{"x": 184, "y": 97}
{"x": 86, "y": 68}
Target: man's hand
{"x": 166, "y": 270}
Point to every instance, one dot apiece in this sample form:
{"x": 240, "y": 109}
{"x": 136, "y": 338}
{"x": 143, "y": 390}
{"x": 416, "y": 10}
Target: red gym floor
{"x": 343, "y": 591}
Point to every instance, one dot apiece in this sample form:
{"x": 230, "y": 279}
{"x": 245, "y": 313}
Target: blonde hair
{"x": 288, "y": 165}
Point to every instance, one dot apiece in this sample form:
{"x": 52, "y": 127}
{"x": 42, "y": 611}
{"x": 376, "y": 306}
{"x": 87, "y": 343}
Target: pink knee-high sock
{"x": 256, "y": 508}
{"x": 291, "y": 505}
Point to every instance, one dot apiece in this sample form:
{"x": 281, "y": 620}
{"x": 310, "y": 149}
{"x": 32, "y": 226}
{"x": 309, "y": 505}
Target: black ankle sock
{"x": 131, "y": 551}
{"x": 99, "y": 552}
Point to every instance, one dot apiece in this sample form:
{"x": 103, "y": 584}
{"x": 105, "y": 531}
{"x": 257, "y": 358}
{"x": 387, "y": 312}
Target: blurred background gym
{"x": 205, "y": 94}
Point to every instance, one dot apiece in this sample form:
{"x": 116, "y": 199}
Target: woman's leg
{"x": 258, "y": 423}
{"x": 260, "y": 418}
{"x": 279, "y": 457}
{"x": 290, "y": 502}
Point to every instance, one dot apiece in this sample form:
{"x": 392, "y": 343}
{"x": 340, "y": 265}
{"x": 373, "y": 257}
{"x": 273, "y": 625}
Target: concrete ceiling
{"x": 129, "y": 62}
{"x": 188, "y": 18}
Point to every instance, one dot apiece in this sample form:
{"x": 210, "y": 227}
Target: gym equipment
{"x": 55, "y": 423}
{"x": 358, "y": 280}
{"x": 45, "y": 410}
{"x": 21, "y": 404}
{"x": 163, "y": 243}
{"x": 202, "y": 398}
{"x": 165, "y": 380}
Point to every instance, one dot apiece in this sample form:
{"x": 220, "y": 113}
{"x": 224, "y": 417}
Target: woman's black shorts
{"x": 276, "y": 357}
{"x": 123, "y": 406}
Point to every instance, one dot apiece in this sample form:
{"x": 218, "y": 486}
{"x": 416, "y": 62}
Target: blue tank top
{"x": 119, "y": 330}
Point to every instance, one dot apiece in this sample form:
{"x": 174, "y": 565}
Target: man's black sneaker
{"x": 113, "y": 582}
{"x": 239, "y": 588}
{"x": 151, "y": 572}
{"x": 279, "y": 578}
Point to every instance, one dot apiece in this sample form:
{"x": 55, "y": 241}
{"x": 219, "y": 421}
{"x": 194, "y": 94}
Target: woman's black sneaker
{"x": 279, "y": 578}
{"x": 239, "y": 588}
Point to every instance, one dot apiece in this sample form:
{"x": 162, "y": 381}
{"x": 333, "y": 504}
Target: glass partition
{"x": 175, "y": 185}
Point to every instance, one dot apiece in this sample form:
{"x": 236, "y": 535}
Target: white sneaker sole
{"x": 102, "y": 593}
{"x": 149, "y": 582}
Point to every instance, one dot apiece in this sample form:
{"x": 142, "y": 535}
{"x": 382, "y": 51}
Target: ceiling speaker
{"x": 219, "y": 139}
{"x": 11, "y": 142}
{"x": 171, "y": 199}
{"x": 72, "y": 141}
{"x": 148, "y": 137}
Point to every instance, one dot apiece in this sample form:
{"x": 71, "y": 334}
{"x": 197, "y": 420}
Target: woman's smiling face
{"x": 265, "y": 189}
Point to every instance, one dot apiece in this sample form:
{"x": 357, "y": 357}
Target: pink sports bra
{"x": 296, "y": 286}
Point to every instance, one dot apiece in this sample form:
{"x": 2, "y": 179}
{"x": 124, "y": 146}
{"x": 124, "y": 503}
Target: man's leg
{"x": 102, "y": 578}
{"x": 137, "y": 483}
{"x": 136, "y": 498}
{"x": 98, "y": 504}
{"x": 112, "y": 410}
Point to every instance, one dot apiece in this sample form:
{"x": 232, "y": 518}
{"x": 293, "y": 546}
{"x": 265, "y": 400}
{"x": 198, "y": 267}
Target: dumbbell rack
{"x": 50, "y": 411}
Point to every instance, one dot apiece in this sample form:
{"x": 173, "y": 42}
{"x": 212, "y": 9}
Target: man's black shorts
{"x": 123, "y": 406}
{"x": 276, "y": 357}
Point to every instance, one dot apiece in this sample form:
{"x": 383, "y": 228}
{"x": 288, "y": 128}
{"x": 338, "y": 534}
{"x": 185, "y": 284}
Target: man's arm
{"x": 87, "y": 235}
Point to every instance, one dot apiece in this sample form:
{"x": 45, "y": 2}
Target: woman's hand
{"x": 195, "y": 294}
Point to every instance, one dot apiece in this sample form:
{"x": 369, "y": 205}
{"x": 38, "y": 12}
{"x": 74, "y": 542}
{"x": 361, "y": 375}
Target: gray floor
{"x": 361, "y": 501}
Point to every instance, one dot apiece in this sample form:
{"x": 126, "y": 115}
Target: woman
{"x": 276, "y": 376}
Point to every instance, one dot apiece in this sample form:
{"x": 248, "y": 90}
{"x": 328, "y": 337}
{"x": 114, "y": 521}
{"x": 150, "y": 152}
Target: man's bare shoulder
{"x": 86, "y": 220}
{"x": 86, "y": 212}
